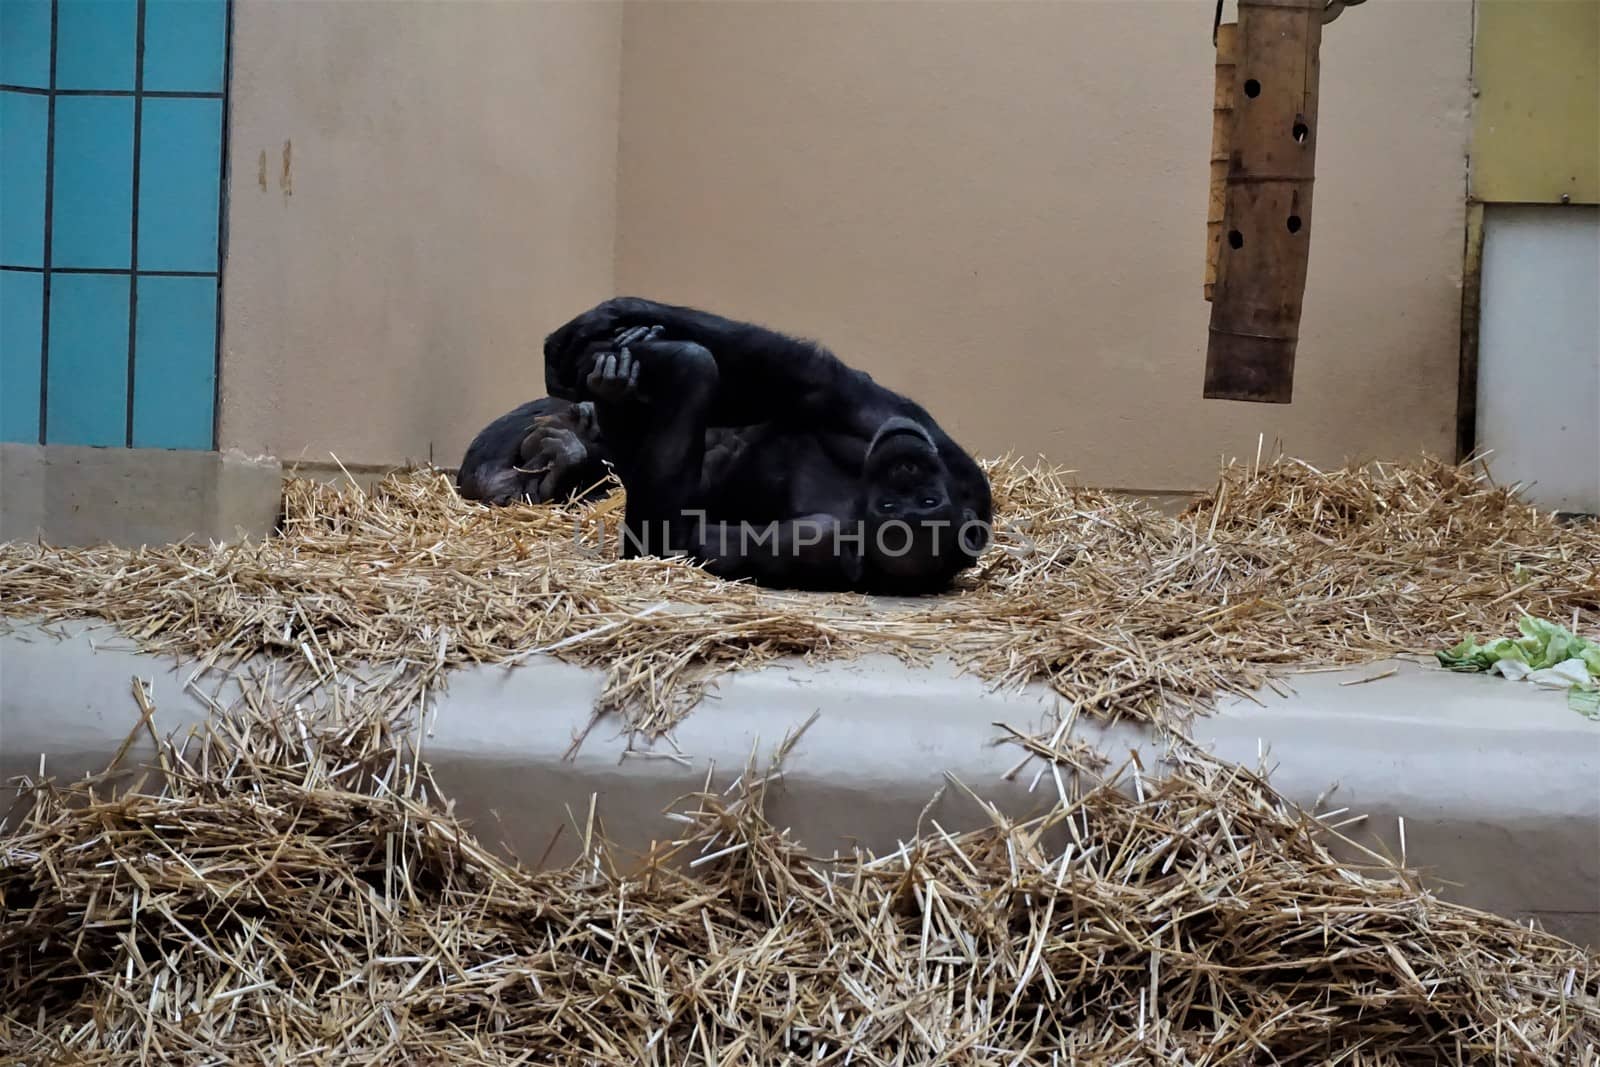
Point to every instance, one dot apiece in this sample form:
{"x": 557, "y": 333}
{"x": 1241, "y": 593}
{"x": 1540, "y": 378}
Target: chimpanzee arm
{"x": 651, "y": 396}
{"x": 765, "y": 376}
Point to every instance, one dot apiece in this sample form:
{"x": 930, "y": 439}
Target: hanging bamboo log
{"x": 1261, "y": 270}
{"x": 1221, "y": 135}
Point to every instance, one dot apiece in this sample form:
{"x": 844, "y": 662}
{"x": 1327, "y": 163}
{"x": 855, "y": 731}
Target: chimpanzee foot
{"x": 615, "y": 376}
{"x": 634, "y": 335}
{"x": 547, "y": 456}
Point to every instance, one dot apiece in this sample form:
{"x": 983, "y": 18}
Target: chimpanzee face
{"x": 910, "y": 519}
{"x": 905, "y": 479}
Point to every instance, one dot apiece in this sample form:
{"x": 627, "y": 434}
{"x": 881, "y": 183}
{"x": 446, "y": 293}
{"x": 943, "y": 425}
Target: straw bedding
{"x": 288, "y": 886}
{"x": 295, "y": 893}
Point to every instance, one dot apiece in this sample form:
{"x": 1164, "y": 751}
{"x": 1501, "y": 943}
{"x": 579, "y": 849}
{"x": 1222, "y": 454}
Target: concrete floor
{"x": 1497, "y": 783}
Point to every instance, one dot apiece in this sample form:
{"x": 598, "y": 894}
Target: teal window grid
{"x": 113, "y": 220}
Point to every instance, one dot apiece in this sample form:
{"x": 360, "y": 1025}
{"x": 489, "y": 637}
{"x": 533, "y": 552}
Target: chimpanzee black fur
{"x": 821, "y": 479}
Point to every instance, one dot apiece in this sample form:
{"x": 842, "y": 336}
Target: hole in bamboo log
{"x": 1301, "y": 130}
{"x": 1294, "y": 223}
{"x": 1252, "y": 88}
{"x": 1235, "y": 239}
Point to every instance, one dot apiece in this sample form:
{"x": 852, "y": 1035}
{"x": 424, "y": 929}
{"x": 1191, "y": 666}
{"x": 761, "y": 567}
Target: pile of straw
{"x": 293, "y": 890}
{"x": 1122, "y": 610}
{"x": 286, "y": 885}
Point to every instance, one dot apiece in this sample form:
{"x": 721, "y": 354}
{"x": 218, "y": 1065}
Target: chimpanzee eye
{"x": 928, "y": 502}
{"x": 886, "y": 505}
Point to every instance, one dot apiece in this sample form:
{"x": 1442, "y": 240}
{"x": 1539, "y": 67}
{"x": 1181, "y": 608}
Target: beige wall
{"x": 453, "y": 169}
{"x": 1000, "y": 208}
{"x": 996, "y": 207}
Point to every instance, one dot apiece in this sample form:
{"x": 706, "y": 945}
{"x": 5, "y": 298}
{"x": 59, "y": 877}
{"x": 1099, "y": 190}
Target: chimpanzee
{"x": 825, "y": 479}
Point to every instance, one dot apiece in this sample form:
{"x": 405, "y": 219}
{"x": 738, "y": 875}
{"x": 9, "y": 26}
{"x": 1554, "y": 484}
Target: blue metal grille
{"x": 113, "y": 140}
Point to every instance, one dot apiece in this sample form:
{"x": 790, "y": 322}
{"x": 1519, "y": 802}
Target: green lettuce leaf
{"x": 1471, "y": 656}
{"x": 1542, "y": 645}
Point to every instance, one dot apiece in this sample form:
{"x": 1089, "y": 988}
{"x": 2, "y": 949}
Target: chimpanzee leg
{"x": 651, "y": 397}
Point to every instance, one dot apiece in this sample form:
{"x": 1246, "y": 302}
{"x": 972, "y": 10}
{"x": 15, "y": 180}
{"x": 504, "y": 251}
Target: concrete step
{"x": 1493, "y": 786}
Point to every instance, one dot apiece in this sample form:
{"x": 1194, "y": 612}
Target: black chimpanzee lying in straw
{"x": 760, "y": 455}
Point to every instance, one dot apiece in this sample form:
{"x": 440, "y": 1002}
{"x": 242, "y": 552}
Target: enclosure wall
{"x": 417, "y": 191}
{"x": 1000, "y": 208}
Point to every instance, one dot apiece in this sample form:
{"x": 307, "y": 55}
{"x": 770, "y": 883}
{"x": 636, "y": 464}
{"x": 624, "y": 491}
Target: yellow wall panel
{"x": 1536, "y": 126}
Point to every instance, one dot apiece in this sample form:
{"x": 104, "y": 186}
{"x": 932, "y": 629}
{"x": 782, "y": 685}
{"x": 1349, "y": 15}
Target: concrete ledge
{"x": 73, "y": 496}
{"x": 1496, "y": 783}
